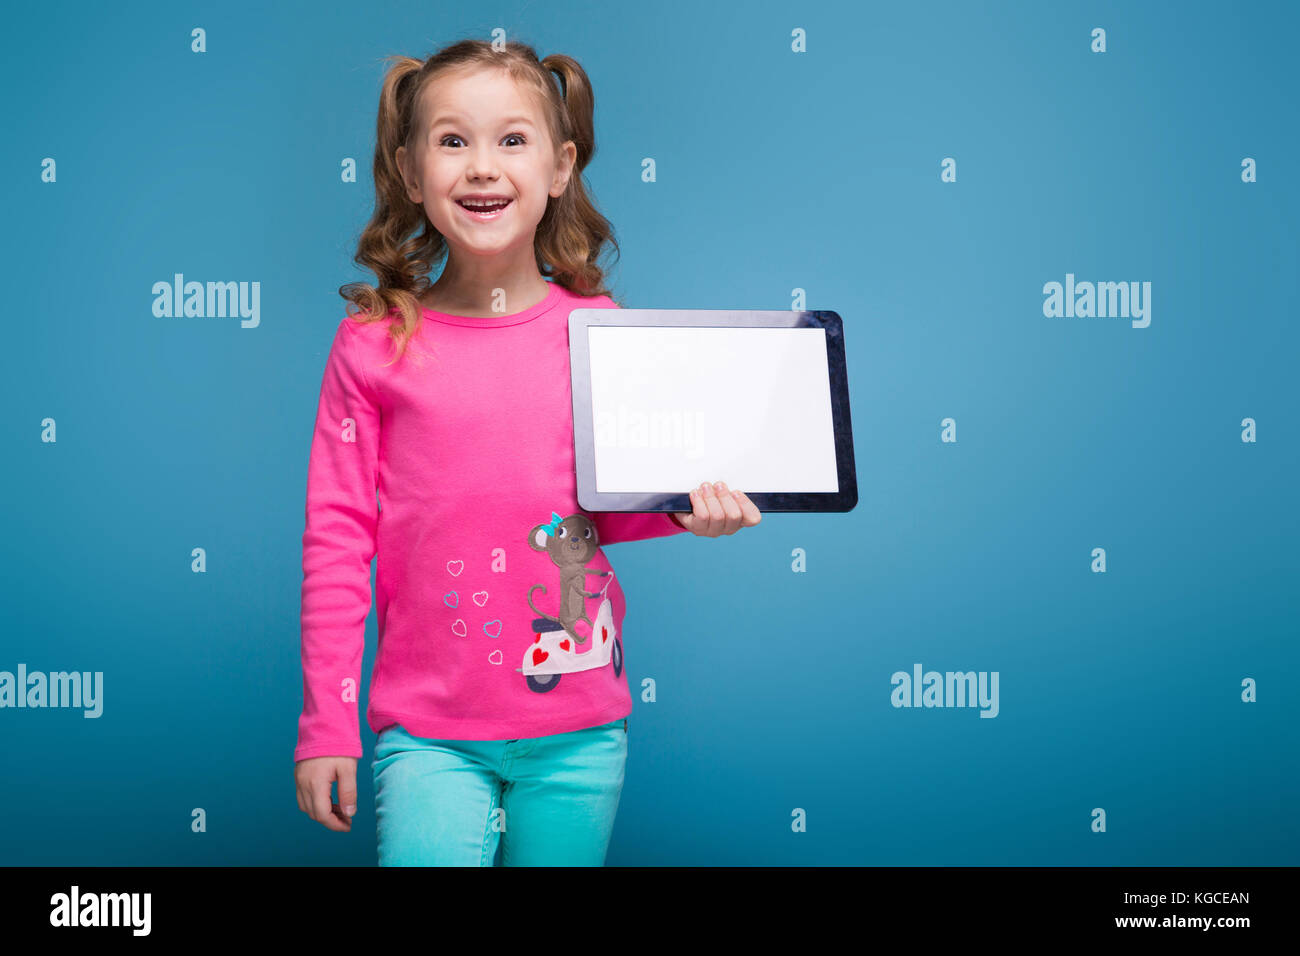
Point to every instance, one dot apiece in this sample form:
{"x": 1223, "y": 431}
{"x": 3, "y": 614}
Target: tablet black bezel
{"x": 584, "y": 448}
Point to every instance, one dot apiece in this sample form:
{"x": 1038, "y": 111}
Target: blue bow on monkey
{"x": 554, "y": 525}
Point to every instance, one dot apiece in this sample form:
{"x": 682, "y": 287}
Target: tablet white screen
{"x": 674, "y": 406}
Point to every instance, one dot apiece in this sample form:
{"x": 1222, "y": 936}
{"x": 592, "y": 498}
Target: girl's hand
{"x": 313, "y": 777}
{"x": 718, "y": 511}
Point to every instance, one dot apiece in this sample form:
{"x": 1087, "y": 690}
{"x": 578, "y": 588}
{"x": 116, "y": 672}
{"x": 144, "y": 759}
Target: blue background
{"x": 776, "y": 171}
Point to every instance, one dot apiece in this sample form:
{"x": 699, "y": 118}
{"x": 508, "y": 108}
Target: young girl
{"x": 444, "y": 444}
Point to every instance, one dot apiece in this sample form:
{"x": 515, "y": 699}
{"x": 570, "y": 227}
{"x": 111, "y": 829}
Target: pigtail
{"x": 389, "y": 246}
{"x": 573, "y": 233}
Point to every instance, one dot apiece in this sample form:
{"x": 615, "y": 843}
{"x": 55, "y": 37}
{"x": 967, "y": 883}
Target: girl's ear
{"x": 564, "y": 168}
{"x": 409, "y": 180}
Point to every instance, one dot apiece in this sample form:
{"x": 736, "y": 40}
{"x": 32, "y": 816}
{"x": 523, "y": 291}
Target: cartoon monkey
{"x": 571, "y": 543}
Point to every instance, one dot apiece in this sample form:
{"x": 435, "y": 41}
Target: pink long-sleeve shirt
{"x": 452, "y": 465}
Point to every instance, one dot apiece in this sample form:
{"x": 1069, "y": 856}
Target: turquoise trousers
{"x": 540, "y": 801}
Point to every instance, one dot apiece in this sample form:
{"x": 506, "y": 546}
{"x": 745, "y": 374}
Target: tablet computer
{"x": 666, "y": 398}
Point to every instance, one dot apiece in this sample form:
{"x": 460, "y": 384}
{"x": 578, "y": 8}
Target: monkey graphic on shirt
{"x": 571, "y": 542}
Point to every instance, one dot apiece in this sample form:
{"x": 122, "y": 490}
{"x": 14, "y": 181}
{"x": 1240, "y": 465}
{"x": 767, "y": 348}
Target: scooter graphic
{"x": 553, "y": 653}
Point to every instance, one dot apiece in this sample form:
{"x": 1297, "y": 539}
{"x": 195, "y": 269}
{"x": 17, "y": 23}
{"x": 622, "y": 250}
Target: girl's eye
{"x": 518, "y": 136}
{"x": 564, "y": 532}
{"x": 586, "y": 532}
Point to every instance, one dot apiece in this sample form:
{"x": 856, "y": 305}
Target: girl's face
{"x": 483, "y": 137}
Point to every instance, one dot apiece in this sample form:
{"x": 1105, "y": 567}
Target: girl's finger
{"x": 730, "y": 508}
{"x": 752, "y": 515}
{"x": 701, "y": 512}
{"x": 717, "y": 517}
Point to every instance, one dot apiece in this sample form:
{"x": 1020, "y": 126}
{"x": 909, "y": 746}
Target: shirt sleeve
{"x": 615, "y": 526}
{"x": 342, "y": 517}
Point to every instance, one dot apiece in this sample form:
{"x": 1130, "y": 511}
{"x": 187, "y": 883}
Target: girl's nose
{"x": 481, "y": 166}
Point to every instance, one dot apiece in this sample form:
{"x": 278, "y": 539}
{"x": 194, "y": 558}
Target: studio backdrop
{"x": 1060, "y": 626}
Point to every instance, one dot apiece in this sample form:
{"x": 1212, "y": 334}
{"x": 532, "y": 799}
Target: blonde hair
{"x": 572, "y": 233}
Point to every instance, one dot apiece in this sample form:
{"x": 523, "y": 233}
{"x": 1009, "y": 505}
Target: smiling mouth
{"x": 484, "y": 207}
